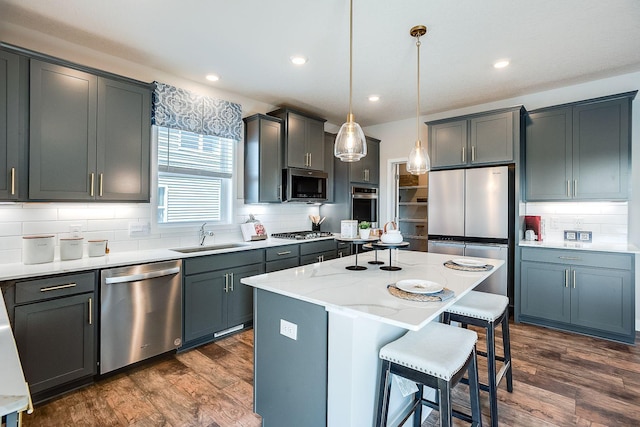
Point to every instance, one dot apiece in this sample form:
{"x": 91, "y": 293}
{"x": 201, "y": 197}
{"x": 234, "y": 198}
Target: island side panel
{"x": 290, "y": 379}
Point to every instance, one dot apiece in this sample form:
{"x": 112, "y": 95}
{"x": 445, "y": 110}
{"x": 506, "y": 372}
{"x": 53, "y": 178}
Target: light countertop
{"x": 115, "y": 259}
{"x": 598, "y": 247}
{"x": 14, "y": 396}
{"x": 365, "y": 294}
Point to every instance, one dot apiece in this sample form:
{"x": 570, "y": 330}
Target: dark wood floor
{"x": 559, "y": 380}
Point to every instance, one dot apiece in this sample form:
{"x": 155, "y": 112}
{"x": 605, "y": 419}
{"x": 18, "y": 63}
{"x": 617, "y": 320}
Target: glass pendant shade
{"x": 351, "y": 144}
{"x": 418, "y": 163}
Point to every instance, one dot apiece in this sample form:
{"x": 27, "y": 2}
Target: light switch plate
{"x": 139, "y": 229}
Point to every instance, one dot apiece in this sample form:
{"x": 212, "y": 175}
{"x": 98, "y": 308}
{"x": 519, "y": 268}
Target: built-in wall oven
{"x": 364, "y": 204}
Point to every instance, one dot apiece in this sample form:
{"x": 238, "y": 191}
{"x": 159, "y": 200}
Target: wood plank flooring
{"x": 560, "y": 379}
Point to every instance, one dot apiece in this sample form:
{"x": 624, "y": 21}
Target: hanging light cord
{"x": 418, "y": 92}
{"x": 350, "y": 118}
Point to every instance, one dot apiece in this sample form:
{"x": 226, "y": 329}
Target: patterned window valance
{"x": 177, "y": 108}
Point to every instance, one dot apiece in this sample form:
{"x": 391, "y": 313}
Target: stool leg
{"x": 417, "y": 415}
{"x": 474, "y": 391}
{"x": 444, "y": 393}
{"x": 383, "y": 394}
{"x": 491, "y": 364}
{"x": 506, "y": 344}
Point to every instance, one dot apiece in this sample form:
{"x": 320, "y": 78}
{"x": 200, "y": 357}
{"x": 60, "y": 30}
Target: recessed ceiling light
{"x": 298, "y": 60}
{"x": 374, "y": 98}
{"x": 213, "y": 77}
{"x": 501, "y": 64}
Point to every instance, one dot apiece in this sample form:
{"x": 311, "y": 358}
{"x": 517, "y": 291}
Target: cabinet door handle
{"x": 574, "y": 279}
{"x": 100, "y": 184}
{"x": 309, "y": 159}
{"x": 566, "y": 278}
{"x": 231, "y": 280}
{"x": 55, "y": 288}
{"x": 575, "y": 188}
{"x": 13, "y": 181}
{"x": 90, "y": 311}
{"x": 226, "y": 282}
{"x": 279, "y": 192}
{"x": 91, "y": 184}
{"x": 463, "y": 156}
{"x": 572, "y": 258}
{"x": 568, "y": 188}
{"x": 284, "y": 253}
{"x": 473, "y": 153}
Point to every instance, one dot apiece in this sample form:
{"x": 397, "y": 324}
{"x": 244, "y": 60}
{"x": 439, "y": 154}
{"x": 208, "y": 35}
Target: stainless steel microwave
{"x": 302, "y": 185}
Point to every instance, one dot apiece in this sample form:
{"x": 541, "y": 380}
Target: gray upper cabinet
{"x": 12, "y": 119}
{"x": 478, "y": 139}
{"x": 89, "y": 136}
{"x": 123, "y": 150}
{"x": 580, "y": 151}
{"x": 367, "y": 170}
{"x": 303, "y": 140}
{"x": 262, "y": 157}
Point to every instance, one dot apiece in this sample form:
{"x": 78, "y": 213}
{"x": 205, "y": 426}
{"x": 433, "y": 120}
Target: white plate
{"x": 468, "y": 262}
{"x": 417, "y": 286}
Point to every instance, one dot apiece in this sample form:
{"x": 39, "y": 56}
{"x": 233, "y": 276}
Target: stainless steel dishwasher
{"x": 140, "y": 313}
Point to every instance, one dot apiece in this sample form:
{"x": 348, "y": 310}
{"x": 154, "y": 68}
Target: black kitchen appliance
{"x": 302, "y": 185}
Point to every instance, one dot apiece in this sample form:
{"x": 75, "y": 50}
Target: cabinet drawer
{"x": 54, "y": 287}
{"x": 282, "y": 252}
{"x": 222, "y": 261}
{"x": 319, "y": 246}
{"x": 586, "y": 258}
{"x": 281, "y": 264}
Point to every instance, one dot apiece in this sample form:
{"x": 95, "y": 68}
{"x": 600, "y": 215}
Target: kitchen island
{"x": 318, "y": 330}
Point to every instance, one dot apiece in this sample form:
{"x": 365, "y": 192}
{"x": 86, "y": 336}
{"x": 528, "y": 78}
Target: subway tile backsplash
{"x": 111, "y": 221}
{"x": 607, "y": 220}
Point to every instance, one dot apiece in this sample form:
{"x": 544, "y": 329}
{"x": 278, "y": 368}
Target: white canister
{"x": 37, "y": 249}
{"x": 97, "y": 247}
{"x": 71, "y": 248}
{"x": 348, "y": 229}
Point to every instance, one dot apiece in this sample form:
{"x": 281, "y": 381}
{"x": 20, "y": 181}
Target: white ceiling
{"x": 550, "y": 43}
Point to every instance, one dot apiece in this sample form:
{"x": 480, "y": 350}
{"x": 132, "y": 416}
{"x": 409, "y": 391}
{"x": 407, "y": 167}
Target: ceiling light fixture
{"x": 351, "y": 144}
{"x": 418, "y": 163}
{"x": 212, "y": 77}
{"x": 374, "y": 98}
{"x": 501, "y": 64}
{"x": 298, "y": 60}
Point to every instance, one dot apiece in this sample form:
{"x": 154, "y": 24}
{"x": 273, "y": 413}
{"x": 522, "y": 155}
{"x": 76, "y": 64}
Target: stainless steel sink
{"x": 210, "y": 247}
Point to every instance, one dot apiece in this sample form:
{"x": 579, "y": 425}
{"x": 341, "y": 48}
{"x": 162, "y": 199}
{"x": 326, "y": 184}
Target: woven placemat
{"x": 443, "y": 295}
{"x": 454, "y": 266}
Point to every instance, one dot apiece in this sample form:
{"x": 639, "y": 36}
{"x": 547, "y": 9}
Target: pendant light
{"x": 351, "y": 144}
{"x": 419, "y": 162}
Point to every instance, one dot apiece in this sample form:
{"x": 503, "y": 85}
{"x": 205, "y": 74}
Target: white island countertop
{"x": 597, "y": 247}
{"x": 364, "y": 293}
{"x": 14, "y": 396}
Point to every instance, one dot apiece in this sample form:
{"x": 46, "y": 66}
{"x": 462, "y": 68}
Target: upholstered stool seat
{"x": 487, "y": 311}
{"x": 436, "y": 356}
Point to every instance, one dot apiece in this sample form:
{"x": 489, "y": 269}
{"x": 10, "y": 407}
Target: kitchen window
{"x": 195, "y": 177}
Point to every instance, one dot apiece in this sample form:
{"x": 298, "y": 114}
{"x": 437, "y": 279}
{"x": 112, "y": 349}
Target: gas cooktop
{"x": 302, "y": 235}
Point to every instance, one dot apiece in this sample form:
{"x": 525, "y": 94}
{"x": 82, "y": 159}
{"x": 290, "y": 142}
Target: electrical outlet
{"x": 139, "y": 229}
{"x": 553, "y": 223}
{"x": 75, "y": 230}
{"x": 288, "y": 329}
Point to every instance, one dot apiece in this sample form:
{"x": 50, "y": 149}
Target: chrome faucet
{"x": 204, "y": 234}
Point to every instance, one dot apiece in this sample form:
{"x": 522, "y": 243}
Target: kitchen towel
{"x": 443, "y": 295}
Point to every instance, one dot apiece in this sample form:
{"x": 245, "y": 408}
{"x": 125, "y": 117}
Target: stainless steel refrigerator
{"x": 471, "y": 214}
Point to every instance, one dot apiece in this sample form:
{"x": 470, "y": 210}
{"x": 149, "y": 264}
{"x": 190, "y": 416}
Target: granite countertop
{"x": 365, "y": 294}
{"x": 116, "y": 259}
{"x": 598, "y": 247}
{"x": 14, "y": 396}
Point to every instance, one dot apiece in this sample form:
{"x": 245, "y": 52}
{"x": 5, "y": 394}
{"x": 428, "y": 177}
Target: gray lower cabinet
{"x": 94, "y": 129}
{"x": 586, "y": 292}
{"x": 321, "y": 250}
{"x": 478, "y": 139}
{"x": 580, "y": 151}
{"x": 54, "y": 327}
{"x": 282, "y": 257}
{"x": 290, "y": 382}
{"x": 343, "y": 249}
{"x": 214, "y": 299}
{"x": 262, "y": 157}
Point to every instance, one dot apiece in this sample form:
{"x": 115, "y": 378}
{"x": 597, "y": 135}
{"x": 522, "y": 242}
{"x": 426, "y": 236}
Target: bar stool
{"x": 436, "y": 356}
{"x": 487, "y": 311}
